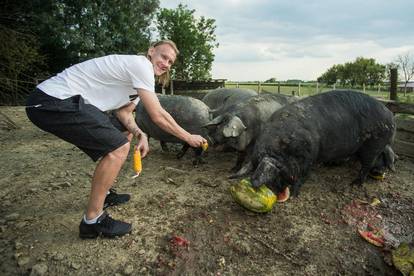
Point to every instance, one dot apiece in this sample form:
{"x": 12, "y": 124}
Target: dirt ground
{"x": 184, "y": 219}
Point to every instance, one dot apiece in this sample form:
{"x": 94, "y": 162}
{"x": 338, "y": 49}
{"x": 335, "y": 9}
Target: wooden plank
{"x": 405, "y": 136}
{"x": 399, "y": 107}
{"x": 405, "y": 125}
{"x": 403, "y": 148}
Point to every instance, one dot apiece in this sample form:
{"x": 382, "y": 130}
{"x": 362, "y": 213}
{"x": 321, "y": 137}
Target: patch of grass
{"x": 308, "y": 89}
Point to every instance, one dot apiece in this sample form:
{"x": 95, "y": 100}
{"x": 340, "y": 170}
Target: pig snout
{"x": 267, "y": 173}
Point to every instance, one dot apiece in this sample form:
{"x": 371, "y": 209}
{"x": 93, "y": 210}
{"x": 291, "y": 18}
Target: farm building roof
{"x": 410, "y": 84}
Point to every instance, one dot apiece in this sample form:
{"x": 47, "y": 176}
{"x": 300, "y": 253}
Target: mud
{"x": 184, "y": 219}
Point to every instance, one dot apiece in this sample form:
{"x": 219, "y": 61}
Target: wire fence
{"x": 305, "y": 89}
{"x": 15, "y": 91}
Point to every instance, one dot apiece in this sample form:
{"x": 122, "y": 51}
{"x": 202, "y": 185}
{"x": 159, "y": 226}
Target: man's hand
{"x": 165, "y": 121}
{"x": 142, "y": 144}
{"x": 125, "y": 116}
{"x": 195, "y": 140}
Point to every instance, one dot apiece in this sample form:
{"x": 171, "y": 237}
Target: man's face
{"x": 162, "y": 57}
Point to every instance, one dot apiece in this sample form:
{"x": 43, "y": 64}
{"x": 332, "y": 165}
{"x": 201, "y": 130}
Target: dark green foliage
{"x": 195, "y": 39}
{"x": 359, "y": 72}
{"x": 271, "y": 80}
{"x": 40, "y": 38}
{"x": 73, "y": 31}
{"x": 20, "y": 59}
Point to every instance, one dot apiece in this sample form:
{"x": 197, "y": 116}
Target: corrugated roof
{"x": 410, "y": 84}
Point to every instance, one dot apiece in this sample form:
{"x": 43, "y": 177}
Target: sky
{"x": 301, "y": 39}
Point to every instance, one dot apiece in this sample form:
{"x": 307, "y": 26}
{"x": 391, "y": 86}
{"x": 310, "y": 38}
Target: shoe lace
{"x": 112, "y": 191}
{"x": 107, "y": 222}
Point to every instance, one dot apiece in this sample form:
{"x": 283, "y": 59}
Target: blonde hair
{"x": 164, "y": 78}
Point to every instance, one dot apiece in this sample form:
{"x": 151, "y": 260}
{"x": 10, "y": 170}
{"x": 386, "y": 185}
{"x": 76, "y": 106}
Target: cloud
{"x": 302, "y": 39}
{"x": 307, "y": 60}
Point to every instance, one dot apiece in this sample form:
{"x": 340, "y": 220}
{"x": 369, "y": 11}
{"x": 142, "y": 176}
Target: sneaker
{"x": 105, "y": 226}
{"x": 113, "y": 198}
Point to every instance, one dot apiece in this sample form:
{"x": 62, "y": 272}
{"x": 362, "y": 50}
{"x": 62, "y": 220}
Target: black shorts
{"x": 83, "y": 125}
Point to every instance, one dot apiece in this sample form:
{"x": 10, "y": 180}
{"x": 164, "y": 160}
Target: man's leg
{"x": 113, "y": 198}
{"x": 104, "y": 176}
{"x": 91, "y": 131}
{"x": 97, "y": 222}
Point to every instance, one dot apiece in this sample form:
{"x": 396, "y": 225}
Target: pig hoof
{"x": 356, "y": 182}
{"x": 234, "y": 176}
{"x": 235, "y": 169}
{"x": 198, "y": 162}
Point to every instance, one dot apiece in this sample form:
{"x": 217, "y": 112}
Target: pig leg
{"x": 368, "y": 154}
{"x": 241, "y": 156}
{"x": 164, "y": 146}
{"x": 198, "y": 153}
{"x": 296, "y": 184}
{"x": 183, "y": 150}
{"x": 296, "y": 187}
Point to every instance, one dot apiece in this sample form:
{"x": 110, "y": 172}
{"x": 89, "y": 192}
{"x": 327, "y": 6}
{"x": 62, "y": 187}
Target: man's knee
{"x": 120, "y": 153}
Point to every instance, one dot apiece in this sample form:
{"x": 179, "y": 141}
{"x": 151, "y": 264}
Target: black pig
{"x": 222, "y": 100}
{"x": 190, "y": 113}
{"x": 323, "y": 128}
{"x": 239, "y": 128}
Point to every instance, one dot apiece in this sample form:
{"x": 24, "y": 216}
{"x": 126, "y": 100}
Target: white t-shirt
{"x": 105, "y": 82}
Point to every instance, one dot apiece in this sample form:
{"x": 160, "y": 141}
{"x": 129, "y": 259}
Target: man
{"x": 73, "y": 105}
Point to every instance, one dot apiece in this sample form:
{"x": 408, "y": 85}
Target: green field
{"x": 307, "y": 89}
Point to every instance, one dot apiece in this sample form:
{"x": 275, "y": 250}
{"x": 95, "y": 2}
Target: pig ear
{"x": 215, "y": 121}
{"x": 390, "y": 157}
{"x": 234, "y": 127}
{"x": 214, "y": 112}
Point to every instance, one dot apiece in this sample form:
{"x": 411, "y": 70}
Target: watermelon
{"x": 260, "y": 200}
{"x": 374, "y": 238}
{"x": 283, "y": 196}
{"x": 403, "y": 258}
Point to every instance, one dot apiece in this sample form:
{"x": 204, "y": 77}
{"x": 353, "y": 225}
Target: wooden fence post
{"x": 171, "y": 87}
{"x": 299, "y": 89}
{"x": 259, "y": 87}
{"x": 278, "y": 87}
{"x": 317, "y": 87}
{"x": 363, "y": 87}
{"x": 393, "y": 83}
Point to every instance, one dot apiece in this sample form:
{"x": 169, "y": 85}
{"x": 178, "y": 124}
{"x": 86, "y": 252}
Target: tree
{"x": 73, "y": 31}
{"x": 367, "y": 71}
{"x": 271, "y": 80}
{"x": 405, "y": 63}
{"x": 362, "y": 71}
{"x": 332, "y": 75}
{"x": 20, "y": 59}
{"x": 42, "y": 37}
{"x": 195, "y": 38}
